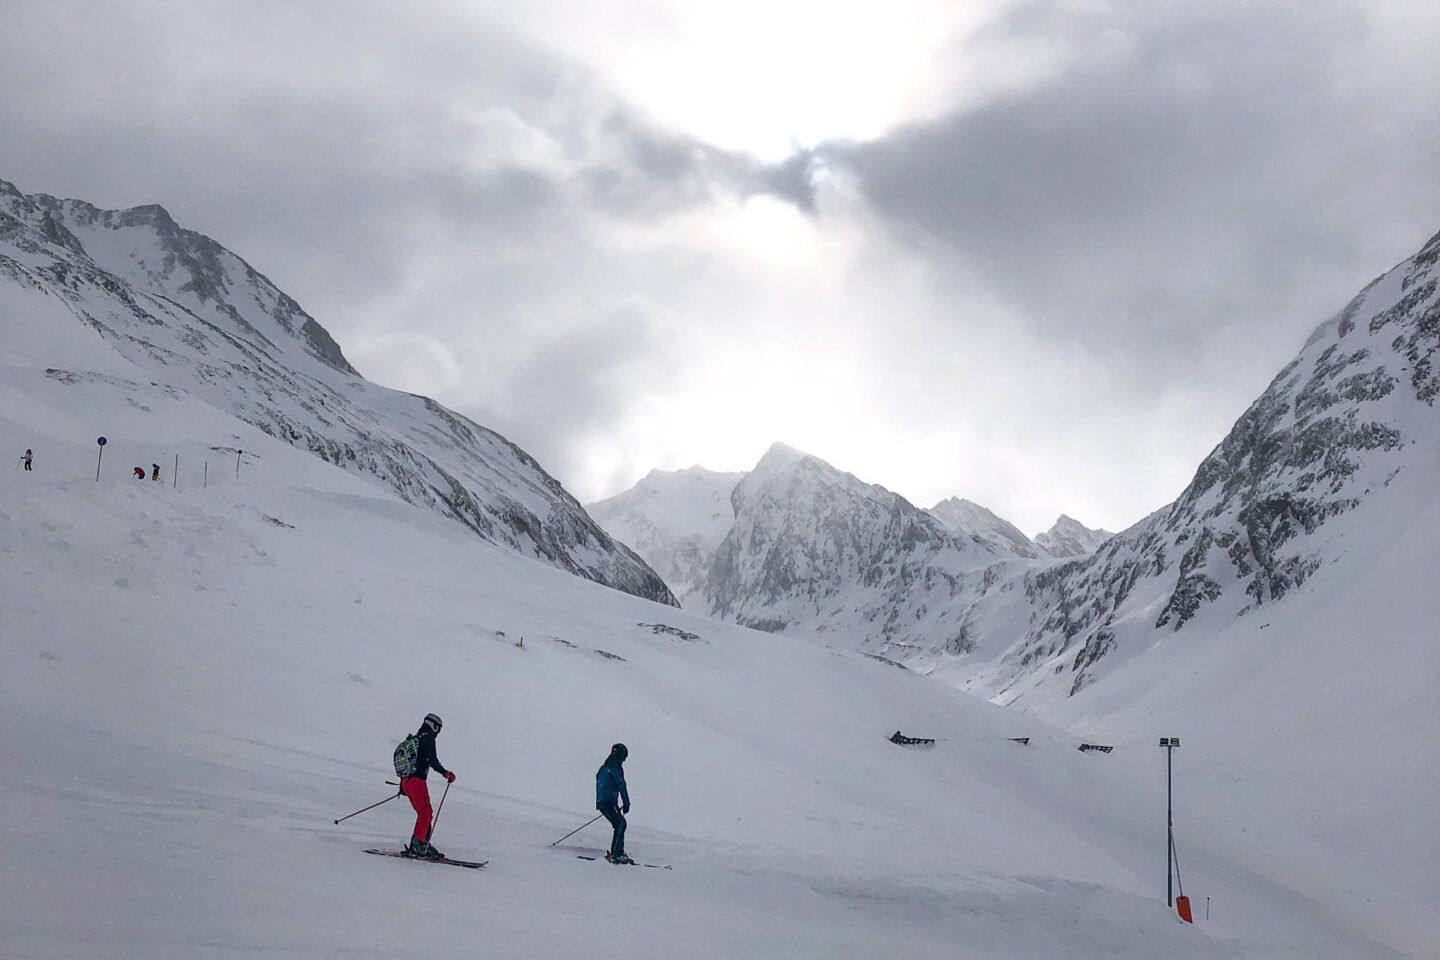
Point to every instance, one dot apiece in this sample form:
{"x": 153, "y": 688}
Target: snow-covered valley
{"x": 198, "y": 679}
{"x": 198, "y": 676}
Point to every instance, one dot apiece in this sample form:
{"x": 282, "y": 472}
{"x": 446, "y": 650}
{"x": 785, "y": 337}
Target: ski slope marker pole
{"x": 371, "y": 807}
{"x": 438, "y": 808}
{"x": 579, "y": 828}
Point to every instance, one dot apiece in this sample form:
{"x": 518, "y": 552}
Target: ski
{"x": 632, "y": 863}
{"x": 405, "y": 856}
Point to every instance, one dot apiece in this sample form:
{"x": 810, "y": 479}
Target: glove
{"x": 450, "y": 776}
{"x": 625, "y": 809}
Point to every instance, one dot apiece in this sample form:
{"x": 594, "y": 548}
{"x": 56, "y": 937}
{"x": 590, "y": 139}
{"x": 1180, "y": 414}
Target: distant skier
{"x": 155, "y": 472}
{"x": 29, "y": 456}
{"x": 139, "y": 473}
{"x": 413, "y": 760}
{"x": 613, "y": 800}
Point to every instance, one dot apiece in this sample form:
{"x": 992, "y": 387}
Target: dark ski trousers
{"x": 419, "y": 796}
{"x": 617, "y": 820}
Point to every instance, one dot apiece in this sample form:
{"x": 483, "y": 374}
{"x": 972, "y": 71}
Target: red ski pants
{"x": 419, "y": 796}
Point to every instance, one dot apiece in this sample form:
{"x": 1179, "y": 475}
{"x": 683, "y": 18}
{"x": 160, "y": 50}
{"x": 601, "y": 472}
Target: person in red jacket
{"x": 418, "y": 793}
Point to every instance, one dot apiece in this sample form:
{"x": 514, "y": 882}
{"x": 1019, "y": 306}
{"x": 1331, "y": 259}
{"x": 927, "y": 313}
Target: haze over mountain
{"x": 675, "y": 520}
{"x": 202, "y": 320}
{"x": 814, "y": 550}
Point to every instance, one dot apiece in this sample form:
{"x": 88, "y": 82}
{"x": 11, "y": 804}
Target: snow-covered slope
{"x": 965, "y": 517}
{"x": 199, "y": 319}
{"x": 675, "y": 521}
{"x": 196, "y": 681}
{"x": 1320, "y": 710}
{"x": 1070, "y": 538}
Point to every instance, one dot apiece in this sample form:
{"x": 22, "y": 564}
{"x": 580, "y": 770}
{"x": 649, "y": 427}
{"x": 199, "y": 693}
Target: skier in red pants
{"x": 414, "y": 787}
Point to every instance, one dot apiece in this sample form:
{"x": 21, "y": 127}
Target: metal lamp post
{"x": 1169, "y": 744}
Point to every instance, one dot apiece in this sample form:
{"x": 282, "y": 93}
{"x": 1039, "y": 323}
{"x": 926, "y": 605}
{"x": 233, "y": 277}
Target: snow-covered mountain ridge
{"x": 678, "y": 520}
{"x": 205, "y": 322}
{"x": 674, "y": 520}
{"x": 1330, "y": 433}
{"x": 1069, "y": 537}
{"x": 814, "y": 550}
{"x": 968, "y": 517}
{"x": 1066, "y": 538}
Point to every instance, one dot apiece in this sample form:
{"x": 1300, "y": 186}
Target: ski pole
{"x": 371, "y": 807}
{"x": 440, "y": 807}
{"x": 579, "y": 828}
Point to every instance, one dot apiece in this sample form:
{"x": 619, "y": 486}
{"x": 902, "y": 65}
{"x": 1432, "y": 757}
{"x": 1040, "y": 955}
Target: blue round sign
{"x": 101, "y": 441}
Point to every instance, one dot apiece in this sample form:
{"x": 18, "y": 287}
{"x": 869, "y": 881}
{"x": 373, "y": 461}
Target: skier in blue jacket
{"x": 613, "y": 800}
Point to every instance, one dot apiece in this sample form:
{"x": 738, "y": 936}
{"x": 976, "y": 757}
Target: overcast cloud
{"x": 1043, "y": 266}
{"x": 1191, "y": 175}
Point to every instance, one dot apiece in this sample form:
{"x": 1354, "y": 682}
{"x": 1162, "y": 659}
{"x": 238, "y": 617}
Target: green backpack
{"x": 407, "y": 756}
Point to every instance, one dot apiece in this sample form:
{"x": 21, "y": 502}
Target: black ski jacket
{"x": 425, "y": 756}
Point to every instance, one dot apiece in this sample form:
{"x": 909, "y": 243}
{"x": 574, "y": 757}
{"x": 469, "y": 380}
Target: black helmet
{"x": 433, "y": 722}
{"x": 620, "y": 752}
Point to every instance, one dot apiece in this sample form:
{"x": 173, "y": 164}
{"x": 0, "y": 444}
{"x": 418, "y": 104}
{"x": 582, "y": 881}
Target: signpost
{"x": 101, "y": 441}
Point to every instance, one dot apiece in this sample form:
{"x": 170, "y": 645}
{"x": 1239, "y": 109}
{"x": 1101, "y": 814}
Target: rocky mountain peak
{"x": 674, "y": 520}
{"x": 1068, "y": 537}
{"x": 145, "y": 245}
{"x": 178, "y": 304}
{"x": 813, "y": 547}
{"x": 971, "y": 519}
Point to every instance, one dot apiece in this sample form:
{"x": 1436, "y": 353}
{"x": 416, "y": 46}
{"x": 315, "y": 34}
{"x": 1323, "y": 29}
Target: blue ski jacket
{"x": 610, "y": 786}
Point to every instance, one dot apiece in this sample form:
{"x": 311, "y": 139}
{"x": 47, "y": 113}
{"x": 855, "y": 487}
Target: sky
{"x": 1039, "y": 255}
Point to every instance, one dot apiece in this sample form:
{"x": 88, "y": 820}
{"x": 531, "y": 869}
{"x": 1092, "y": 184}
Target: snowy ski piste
{"x": 197, "y": 680}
